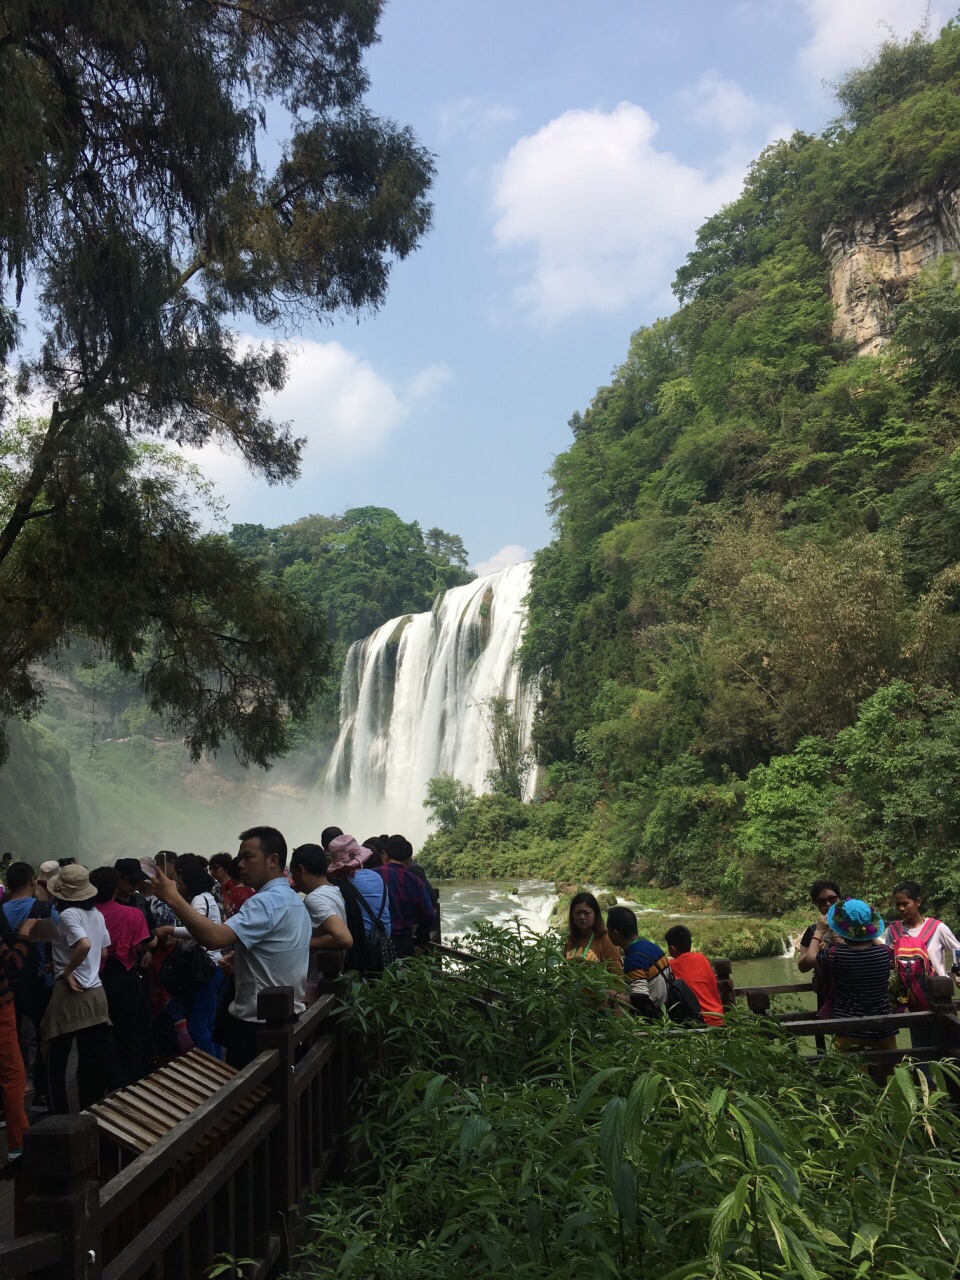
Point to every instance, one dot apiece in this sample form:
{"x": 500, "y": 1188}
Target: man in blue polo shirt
{"x": 271, "y": 933}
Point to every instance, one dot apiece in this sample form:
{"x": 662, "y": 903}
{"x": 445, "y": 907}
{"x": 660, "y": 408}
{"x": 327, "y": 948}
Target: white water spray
{"x": 413, "y": 701}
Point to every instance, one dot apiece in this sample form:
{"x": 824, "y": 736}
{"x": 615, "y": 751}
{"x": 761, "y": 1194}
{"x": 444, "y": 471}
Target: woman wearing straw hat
{"x": 78, "y": 1005}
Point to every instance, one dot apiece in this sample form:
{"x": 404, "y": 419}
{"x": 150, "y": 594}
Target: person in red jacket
{"x": 14, "y": 949}
{"x": 696, "y": 971}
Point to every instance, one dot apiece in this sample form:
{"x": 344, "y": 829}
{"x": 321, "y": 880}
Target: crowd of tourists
{"x": 861, "y": 967}
{"x": 134, "y": 964}
{"x": 137, "y": 963}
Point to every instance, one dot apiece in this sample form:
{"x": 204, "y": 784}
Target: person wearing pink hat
{"x": 347, "y": 859}
{"x": 47, "y": 870}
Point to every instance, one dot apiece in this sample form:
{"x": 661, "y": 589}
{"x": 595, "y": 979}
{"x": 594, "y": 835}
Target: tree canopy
{"x": 360, "y": 568}
{"x": 138, "y": 215}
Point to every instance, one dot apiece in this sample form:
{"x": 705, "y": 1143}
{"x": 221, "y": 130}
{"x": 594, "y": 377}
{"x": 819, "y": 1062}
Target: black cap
{"x": 130, "y": 869}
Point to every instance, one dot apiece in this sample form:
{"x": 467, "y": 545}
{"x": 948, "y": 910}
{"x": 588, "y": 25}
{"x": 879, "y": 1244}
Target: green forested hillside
{"x": 747, "y": 628}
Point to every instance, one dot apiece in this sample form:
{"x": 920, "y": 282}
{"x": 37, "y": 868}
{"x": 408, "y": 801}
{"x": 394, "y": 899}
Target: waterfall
{"x": 413, "y": 702}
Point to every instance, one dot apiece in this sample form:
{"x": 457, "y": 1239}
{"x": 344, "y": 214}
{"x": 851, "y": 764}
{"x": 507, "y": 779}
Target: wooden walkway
{"x": 127, "y": 1195}
{"x": 36, "y": 1116}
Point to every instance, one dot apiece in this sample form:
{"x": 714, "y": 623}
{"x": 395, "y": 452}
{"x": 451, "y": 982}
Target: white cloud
{"x": 427, "y": 381}
{"x": 346, "y": 410}
{"x": 502, "y": 559}
{"x": 845, "y": 32}
{"x": 721, "y": 104}
{"x": 470, "y": 115}
{"x": 337, "y": 400}
{"x": 600, "y": 216}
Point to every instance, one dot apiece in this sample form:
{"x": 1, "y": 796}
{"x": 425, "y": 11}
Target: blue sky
{"x": 578, "y": 148}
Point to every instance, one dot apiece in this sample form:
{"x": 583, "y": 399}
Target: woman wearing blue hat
{"x": 856, "y": 970}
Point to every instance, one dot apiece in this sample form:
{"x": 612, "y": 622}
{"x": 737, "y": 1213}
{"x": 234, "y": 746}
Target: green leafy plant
{"x": 543, "y": 1136}
{"x": 230, "y": 1267}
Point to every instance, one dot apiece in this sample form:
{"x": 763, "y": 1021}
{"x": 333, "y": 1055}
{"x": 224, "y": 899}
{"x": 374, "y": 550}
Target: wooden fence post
{"x": 275, "y": 1008}
{"x": 927, "y": 1034}
{"x": 724, "y": 971}
{"x": 758, "y": 1002}
{"x": 940, "y": 991}
{"x": 58, "y": 1170}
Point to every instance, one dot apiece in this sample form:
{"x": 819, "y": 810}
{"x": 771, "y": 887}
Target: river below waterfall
{"x": 464, "y": 903}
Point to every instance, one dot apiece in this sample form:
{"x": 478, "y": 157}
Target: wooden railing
{"x": 934, "y": 1033}
{"x": 165, "y": 1216}
{"x": 161, "y": 1216}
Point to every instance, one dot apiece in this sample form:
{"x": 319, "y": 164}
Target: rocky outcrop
{"x": 873, "y": 260}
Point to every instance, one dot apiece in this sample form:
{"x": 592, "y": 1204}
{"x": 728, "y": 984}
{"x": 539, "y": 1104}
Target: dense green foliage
{"x": 118, "y": 559}
{"x": 136, "y": 209}
{"x": 554, "y": 1140}
{"x": 746, "y": 629}
{"x": 360, "y": 568}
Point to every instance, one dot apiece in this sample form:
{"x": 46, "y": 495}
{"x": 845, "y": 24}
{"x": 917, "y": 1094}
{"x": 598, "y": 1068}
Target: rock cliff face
{"x": 873, "y": 259}
{"x": 39, "y": 818}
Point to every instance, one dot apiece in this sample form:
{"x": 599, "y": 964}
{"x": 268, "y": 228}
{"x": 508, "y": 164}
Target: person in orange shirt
{"x": 696, "y": 971}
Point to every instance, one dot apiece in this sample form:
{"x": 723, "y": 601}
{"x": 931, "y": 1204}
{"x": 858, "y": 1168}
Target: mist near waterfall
{"x": 414, "y": 698}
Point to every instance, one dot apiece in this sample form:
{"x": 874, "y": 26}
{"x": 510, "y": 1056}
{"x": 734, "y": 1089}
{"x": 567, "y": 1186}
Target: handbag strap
{"x": 358, "y": 897}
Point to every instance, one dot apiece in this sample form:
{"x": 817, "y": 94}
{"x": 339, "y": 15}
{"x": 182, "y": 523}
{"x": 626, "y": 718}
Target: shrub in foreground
{"x": 552, "y": 1139}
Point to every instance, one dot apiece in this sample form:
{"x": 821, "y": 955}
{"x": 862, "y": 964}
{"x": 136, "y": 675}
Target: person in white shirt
{"x": 331, "y": 938}
{"x": 940, "y": 941}
{"x": 78, "y": 1004}
{"x": 196, "y": 885}
{"x": 271, "y": 933}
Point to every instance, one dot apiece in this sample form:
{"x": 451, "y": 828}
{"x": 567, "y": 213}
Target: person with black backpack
{"x": 367, "y": 905}
{"x": 33, "y": 983}
{"x": 653, "y": 988}
{"x": 411, "y": 908}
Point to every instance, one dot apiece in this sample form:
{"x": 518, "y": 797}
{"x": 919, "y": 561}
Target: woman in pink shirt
{"x": 125, "y": 981}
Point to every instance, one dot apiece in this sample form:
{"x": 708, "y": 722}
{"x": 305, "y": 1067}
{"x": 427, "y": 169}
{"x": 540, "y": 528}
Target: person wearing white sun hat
{"x": 78, "y": 1006}
{"x": 48, "y": 870}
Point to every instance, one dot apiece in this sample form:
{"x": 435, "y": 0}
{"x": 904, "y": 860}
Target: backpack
{"x": 912, "y": 965}
{"x": 188, "y": 966}
{"x": 367, "y": 955}
{"x": 681, "y": 1004}
{"x": 27, "y": 983}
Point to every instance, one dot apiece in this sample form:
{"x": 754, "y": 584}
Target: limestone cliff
{"x": 873, "y": 259}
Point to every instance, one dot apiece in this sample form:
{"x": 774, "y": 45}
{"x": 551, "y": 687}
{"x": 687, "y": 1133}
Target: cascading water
{"x": 414, "y": 701}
